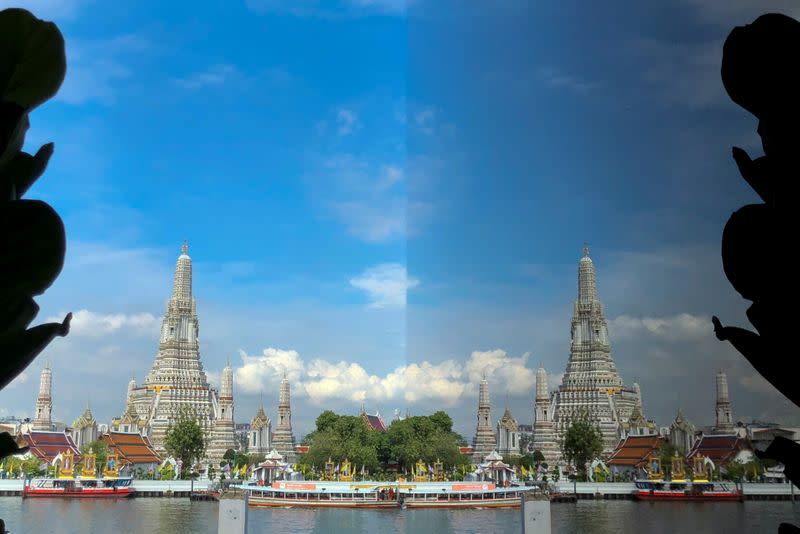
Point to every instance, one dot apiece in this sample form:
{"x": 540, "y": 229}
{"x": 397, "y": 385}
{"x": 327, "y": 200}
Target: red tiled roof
{"x": 466, "y": 450}
{"x": 47, "y": 445}
{"x": 131, "y": 447}
{"x": 720, "y": 449}
{"x": 635, "y": 450}
{"x": 375, "y": 422}
{"x": 302, "y": 449}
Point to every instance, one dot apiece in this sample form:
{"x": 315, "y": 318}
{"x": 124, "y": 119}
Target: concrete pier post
{"x": 232, "y": 513}
{"x": 535, "y": 513}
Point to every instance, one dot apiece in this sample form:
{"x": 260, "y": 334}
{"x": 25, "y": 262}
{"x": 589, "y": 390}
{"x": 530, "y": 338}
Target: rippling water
{"x": 180, "y": 516}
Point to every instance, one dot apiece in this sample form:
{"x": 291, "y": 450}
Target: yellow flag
{"x": 524, "y": 471}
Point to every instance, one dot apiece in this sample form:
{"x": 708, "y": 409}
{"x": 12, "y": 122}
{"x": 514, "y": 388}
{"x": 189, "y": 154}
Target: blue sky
{"x": 390, "y": 199}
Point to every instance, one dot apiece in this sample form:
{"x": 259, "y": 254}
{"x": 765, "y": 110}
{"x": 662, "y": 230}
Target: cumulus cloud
{"x": 445, "y": 382}
{"x": 386, "y": 285}
{"x": 86, "y": 323}
{"x": 680, "y": 327}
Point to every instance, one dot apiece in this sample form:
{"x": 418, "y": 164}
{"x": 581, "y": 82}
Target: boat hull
{"x": 81, "y": 494}
{"x": 300, "y": 503}
{"x": 645, "y": 495}
{"x": 495, "y": 503}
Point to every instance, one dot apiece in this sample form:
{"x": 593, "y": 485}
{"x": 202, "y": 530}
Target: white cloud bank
{"x": 86, "y": 323}
{"x": 386, "y": 285}
{"x": 445, "y": 382}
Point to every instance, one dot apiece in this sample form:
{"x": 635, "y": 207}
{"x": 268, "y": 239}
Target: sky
{"x": 388, "y": 198}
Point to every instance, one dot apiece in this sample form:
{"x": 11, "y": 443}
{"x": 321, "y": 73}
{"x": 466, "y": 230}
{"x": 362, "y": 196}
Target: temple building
{"x": 42, "y": 421}
{"x": 484, "y": 442}
{"x": 374, "y": 422}
{"x": 283, "y": 439}
{"x": 46, "y": 446}
{"x": 176, "y": 385}
{"x": 724, "y": 423}
{"x": 544, "y": 437}
{"x": 508, "y": 435}
{"x": 84, "y": 429}
{"x": 592, "y": 387}
{"x": 260, "y": 434}
{"x": 223, "y": 432}
{"x": 134, "y": 451}
{"x": 682, "y": 433}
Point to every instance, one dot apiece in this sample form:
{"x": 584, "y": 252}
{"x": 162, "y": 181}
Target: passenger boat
{"x": 324, "y": 494}
{"x": 114, "y": 488}
{"x": 461, "y": 495}
{"x": 700, "y": 488}
{"x": 86, "y": 485}
{"x": 659, "y": 490}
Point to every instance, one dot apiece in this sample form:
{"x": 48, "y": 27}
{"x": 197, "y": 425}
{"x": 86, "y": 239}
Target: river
{"x": 180, "y": 516}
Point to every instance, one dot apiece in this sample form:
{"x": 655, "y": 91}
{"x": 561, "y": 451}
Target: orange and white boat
{"x": 323, "y": 494}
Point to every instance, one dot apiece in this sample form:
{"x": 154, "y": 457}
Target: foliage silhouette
{"x": 32, "y": 238}
{"x": 759, "y": 72}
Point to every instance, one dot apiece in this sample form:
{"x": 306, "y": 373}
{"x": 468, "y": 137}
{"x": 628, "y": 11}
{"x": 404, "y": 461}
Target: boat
{"x": 659, "y": 490}
{"x": 678, "y": 488}
{"x": 461, "y": 495}
{"x": 323, "y": 494}
{"x": 114, "y": 488}
{"x": 86, "y": 485}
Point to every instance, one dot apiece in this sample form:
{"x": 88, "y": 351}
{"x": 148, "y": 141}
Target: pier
{"x": 624, "y": 490}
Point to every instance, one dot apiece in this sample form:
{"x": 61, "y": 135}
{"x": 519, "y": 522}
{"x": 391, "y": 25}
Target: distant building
{"x": 591, "y": 387}
{"x": 544, "y": 434}
{"x": 42, "y": 421}
{"x": 84, "y": 429}
{"x": 283, "y": 439}
{"x": 508, "y": 435}
{"x": 47, "y": 445}
{"x": 484, "y": 442}
{"x": 633, "y": 453}
{"x": 134, "y": 450}
{"x": 374, "y": 422}
{"x": 724, "y": 423}
{"x": 722, "y": 449}
{"x": 682, "y": 434}
{"x": 260, "y": 433}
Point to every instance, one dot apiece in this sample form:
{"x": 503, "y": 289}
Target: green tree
{"x": 582, "y": 443}
{"x": 326, "y": 421}
{"x": 442, "y": 421}
{"x": 734, "y": 470}
{"x": 538, "y": 457}
{"x": 32, "y": 466}
{"x": 184, "y": 441}
{"x": 101, "y": 451}
{"x": 666, "y": 454}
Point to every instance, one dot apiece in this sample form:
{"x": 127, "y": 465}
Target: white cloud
{"x": 86, "y": 323}
{"x": 386, "y": 285}
{"x": 424, "y": 120}
{"x": 95, "y": 68}
{"x": 213, "y": 76}
{"x": 347, "y": 121}
{"x": 680, "y": 327}
{"x": 446, "y": 382}
{"x": 556, "y": 79}
{"x": 366, "y": 197}
{"x": 20, "y": 380}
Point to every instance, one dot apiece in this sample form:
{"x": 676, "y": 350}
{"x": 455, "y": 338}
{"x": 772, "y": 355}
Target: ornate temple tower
{"x": 84, "y": 429}
{"x": 682, "y": 433}
{"x": 260, "y": 431}
{"x": 508, "y": 435}
{"x": 544, "y": 437}
{"x": 223, "y": 435}
{"x": 724, "y": 414}
{"x": 484, "y": 441}
{"x": 591, "y": 383}
{"x": 176, "y": 384}
{"x": 42, "y": 421}
{"x": 283, "y": 440}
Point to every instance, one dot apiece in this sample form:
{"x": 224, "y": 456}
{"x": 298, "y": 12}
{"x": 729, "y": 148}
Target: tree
{"x": 582, "y": 444}
{"x": 230, "y": 454}
{"x": 538, "y": 457}
{"x": 101, "y": 451}
{"x": 185, "y": 442}
{"x": 442, "y": 421}
{"x": 666, "y": 454}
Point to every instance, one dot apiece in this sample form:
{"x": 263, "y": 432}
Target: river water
{"x": 180, "y": 516}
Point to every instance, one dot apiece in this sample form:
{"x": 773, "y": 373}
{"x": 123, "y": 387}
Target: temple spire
{"x": 585, "y": 249}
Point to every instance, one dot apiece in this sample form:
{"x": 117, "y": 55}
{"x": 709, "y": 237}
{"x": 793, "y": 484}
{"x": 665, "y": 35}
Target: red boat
{"x": 659, "y": 490}
{"x": 108, "y": 488}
